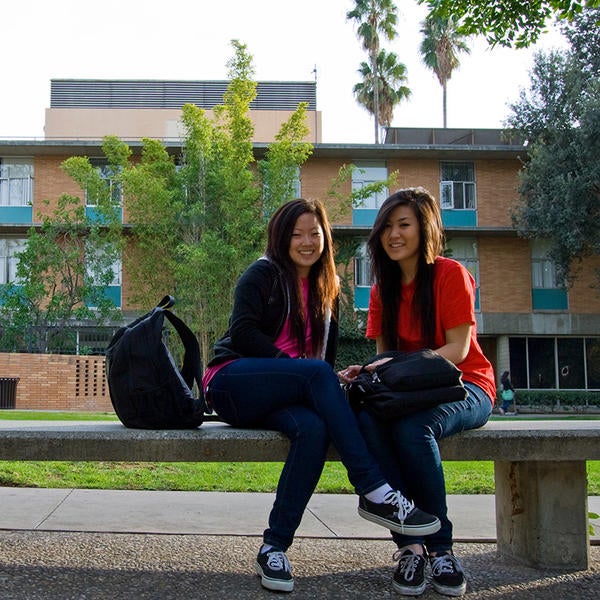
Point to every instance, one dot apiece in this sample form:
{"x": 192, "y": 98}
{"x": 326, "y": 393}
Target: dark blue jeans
{"x": 303, "y": 399}
{"x": 409, "y": 456}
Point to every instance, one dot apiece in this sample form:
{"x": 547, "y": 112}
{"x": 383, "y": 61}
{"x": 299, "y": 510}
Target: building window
{"x": 98, "y": 264}
{"x": 362, "y": 267}
{"x": 457, "y": 187}
{"x": 464, "y": 250}
{"x": 297, "y": 183}
{"x": 107, "y": 174}
{"x": 543, "y": 269}
{"x": 564, "y": 363}
{"x": 293, "y": 188}
{"x": 548, "y": 292}
{"x": 16, "y": 182}
{"x": 9, "y": 247}
{"x": 592, "y": 362}
{"x": 368, "y": 173}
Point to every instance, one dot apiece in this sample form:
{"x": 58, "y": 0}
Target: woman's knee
{"x": 322, "y": 374}
{"x": 301, "y": 424}
{"x": 312, "y": 429}
{"x": 409, "y": 433}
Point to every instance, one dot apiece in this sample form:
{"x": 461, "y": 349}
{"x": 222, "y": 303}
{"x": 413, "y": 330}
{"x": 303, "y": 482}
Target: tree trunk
{"x": 444, "y": 99}
{"x": 375, "y": 94}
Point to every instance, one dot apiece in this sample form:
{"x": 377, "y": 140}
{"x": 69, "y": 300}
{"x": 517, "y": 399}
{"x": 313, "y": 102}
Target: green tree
{"x": 442, "y": 42}
{"x": 511, "y": 23}
{"x": 559, "y": 117}
{"x": 391, "y": 75}
{"x": 65, "y": 267}
{"x": 373, "y": 18}
{"x": 354, "y": 347}
{"x": 196, "y": 227}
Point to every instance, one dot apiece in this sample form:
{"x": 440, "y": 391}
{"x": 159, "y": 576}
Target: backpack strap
{"x": 191, "y": 369}
{"x": 166, "y": 302}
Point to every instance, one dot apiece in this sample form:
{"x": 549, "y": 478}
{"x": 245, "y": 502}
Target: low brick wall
{"x": 57, "y": 381}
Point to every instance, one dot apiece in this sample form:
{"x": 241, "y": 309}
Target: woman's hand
{"x": 349, "y": 373}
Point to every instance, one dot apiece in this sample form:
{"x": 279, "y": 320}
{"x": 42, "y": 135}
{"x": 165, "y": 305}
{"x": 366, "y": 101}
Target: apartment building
{"x": 548, "y": 336}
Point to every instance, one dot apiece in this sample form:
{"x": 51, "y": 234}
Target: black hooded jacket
{"x": 261, "y": 305}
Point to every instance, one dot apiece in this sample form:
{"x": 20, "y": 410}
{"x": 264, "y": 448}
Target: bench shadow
{"x": 66, "y": 566}
{"x": 499, "y": 581}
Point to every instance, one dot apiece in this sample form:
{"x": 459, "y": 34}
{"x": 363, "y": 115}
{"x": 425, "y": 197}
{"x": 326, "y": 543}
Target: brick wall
{"x": 584, "y": 296}
{"x": 50, "y": 183}
{"x": 57, "y": 382}
{"x": 497, "y": 191}
{"x": 505, "y": 274}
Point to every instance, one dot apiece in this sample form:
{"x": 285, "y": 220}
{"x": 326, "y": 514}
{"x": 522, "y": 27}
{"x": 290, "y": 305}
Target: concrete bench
{"x": 540, "y": 469}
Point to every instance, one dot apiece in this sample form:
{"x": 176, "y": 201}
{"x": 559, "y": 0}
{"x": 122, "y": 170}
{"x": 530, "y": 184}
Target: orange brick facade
{"x": 58, "y": 382}
{"x": 504, "y": 260}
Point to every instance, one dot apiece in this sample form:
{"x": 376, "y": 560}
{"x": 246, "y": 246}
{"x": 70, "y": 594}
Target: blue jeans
{"x": 409, "y": 456}
{"x": 303, "y": 399}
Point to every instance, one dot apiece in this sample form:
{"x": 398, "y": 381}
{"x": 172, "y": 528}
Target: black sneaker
{"x": 409, "y": 578}
{"x": 398, "y": 514}
{"x": 274, "y": 570}
{"x": 447, "y": 575}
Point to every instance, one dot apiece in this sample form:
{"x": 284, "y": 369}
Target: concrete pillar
{"x": 542, "y": 513}
{"x": 502, "y": 357}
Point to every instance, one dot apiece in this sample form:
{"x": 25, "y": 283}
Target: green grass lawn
{"x": 462, "y": 477}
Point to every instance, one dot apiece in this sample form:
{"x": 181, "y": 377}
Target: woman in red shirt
{"x": 422, "y": 300}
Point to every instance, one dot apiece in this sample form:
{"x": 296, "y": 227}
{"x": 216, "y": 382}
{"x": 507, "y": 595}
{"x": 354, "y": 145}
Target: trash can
{"x": 8, "y": 391}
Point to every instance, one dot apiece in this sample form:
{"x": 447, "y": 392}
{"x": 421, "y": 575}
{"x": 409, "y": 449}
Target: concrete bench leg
{"x": 542, "y": 513}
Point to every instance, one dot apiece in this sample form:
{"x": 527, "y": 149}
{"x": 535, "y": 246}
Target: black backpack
{"x": 146, "y": 388}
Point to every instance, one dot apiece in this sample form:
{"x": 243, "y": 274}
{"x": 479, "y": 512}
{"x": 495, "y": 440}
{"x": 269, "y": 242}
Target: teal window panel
{"x": 16, "y": 214}
{"x": 94, "y": 215}
{"x": 459, "y": 218}
{"x": 361, "y": 297}
{"x": 111, "y": 292}
{"x": 364, "y": 216}
{"x": 477, "y": 305}
{"x": 16, "y": 290}
{"x": 549, "y": 299}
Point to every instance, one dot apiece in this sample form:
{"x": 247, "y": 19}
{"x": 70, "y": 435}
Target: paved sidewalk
{"x": 63, "y": 544}
{"x": 219, "y": 513}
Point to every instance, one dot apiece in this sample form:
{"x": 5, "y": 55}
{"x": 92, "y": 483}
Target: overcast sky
{"x": 191, "y": 40}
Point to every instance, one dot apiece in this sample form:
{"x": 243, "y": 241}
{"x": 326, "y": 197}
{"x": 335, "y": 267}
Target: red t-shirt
{"x": 454, "y": 296}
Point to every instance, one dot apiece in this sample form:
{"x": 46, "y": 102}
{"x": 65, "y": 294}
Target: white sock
{"x": 378, "y": 495}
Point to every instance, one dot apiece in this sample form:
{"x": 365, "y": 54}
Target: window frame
{"x": 107, "y": 174}
{"x": 367, "y": 173}
{"x": 448, "y": 187}
{"x": 9, "y": 262}
{"x": 16, "y": 181}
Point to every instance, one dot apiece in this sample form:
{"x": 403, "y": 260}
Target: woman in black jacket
{"x": 284, "y": 310}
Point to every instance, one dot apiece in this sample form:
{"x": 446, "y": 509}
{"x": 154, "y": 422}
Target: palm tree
{"x": 441, "y": 44}
{"x": 391, "y": 75}
{"x": 374, "y": 17}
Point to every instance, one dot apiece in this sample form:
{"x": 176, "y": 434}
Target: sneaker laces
{"x": 408, "y": 561}
{"x": 405, "y": 506}
{"x": 444, "y": 563}
{"x": 277, "y": 561}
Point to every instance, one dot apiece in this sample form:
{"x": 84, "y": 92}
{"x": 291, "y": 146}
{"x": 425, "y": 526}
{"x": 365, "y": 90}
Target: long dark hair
{"x": 323, "y": 281}
{"x": 387, "y": 273}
